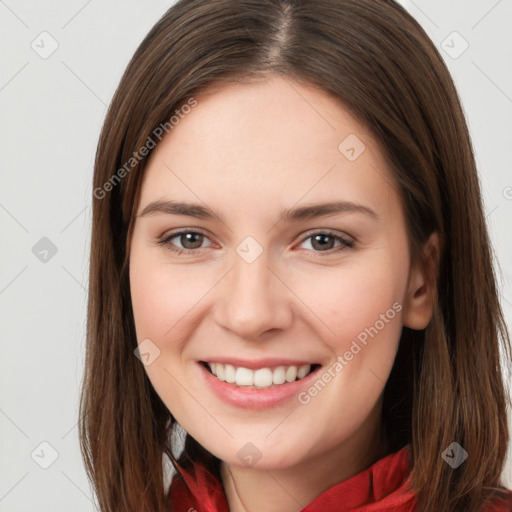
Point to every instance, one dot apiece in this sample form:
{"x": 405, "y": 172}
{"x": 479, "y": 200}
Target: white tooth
{"x": 220, "y": 371}
{"x": 303, "y": 371}
{"x": 263, "y": 377}
{"x": 230, "y": 373}
{"x": 244, "y": 377}
{"x": 278, "y": 377}
{"x": 291, "y": 373}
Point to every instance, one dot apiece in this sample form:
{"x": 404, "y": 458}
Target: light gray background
{"x": 51, "y": 112}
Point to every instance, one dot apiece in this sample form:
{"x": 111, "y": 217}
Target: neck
{"x": 292, "y": 488}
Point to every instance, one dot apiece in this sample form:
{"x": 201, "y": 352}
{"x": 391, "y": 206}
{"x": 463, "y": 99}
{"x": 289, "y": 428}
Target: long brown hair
{"x": 446, "y": 384}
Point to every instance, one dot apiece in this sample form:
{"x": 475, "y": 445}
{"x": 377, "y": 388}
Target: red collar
{"x": 382, "y": 486}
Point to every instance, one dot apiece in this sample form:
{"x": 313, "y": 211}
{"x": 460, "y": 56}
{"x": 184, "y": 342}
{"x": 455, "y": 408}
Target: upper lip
{"x": 255, "y": 364}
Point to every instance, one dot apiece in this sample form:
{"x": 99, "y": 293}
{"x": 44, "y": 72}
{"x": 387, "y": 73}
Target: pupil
{"x": 323, "y": 245}
{"x": 189, "y": 239}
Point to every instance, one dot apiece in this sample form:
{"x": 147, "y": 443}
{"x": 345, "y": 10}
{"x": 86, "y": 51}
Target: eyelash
{"x": 345, "y": 243}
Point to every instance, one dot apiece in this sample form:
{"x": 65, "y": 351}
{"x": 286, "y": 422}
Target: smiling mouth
{"x": 261, "y": 378}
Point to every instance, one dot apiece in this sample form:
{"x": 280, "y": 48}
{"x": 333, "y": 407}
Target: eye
{"x": 324, "y": 241}
{"x": 189, "y": 241}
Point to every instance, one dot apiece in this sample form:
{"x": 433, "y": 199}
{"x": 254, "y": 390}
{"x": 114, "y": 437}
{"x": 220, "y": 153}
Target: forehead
{"x": 264, "y": 143}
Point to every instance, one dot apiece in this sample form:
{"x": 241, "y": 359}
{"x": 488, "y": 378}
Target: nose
{"x": 253, "y": 299}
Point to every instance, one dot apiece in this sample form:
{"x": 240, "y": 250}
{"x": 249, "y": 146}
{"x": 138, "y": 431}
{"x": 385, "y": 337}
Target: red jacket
{"x": 381, "y": 487}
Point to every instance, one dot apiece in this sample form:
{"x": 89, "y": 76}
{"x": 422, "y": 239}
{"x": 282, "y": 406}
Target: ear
{"x": 422, "y": 289}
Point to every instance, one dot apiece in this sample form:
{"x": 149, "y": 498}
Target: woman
{"x": 290, "y": 264}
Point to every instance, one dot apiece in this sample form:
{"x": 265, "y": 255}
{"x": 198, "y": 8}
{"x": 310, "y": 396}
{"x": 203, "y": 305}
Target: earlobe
{"x": 421, "y": 293}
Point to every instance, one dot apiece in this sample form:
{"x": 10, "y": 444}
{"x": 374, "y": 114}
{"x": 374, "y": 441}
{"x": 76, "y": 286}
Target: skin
{"x": 248, "y": 150}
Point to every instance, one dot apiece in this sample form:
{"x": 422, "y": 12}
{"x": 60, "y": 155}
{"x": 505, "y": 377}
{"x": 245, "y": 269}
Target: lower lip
{"x": 247, "y": 398}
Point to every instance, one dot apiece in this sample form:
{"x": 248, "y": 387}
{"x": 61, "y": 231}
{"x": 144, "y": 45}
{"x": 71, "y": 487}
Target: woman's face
{"x": 270, "y": 279}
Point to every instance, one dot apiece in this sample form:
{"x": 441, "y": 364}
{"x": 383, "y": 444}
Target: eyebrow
{"x": 288, "y": 215}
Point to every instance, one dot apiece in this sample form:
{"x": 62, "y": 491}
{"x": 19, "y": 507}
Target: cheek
{"x": 351, "y": 299}
{"x": 161, "y": 296}
{"x": 161, "y": 299}
{"x": 360, "y": 317}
